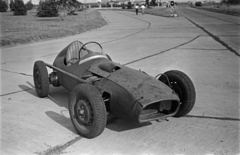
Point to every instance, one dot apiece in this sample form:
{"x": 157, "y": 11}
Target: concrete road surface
{"x": 199, "y": 43}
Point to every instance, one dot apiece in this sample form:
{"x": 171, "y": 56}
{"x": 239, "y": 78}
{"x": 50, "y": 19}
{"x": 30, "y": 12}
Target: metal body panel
{"x": 122, "y": 104}
{"x": 143, "y": 87}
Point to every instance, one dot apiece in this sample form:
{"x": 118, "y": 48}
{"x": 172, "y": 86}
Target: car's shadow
{"x": 60, "y": 96}
{"x": 61, "y": 119}
{"x": 120, "y": 125}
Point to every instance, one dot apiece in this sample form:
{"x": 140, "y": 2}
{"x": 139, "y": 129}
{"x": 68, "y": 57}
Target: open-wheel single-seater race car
{"x": 98, "y": 86}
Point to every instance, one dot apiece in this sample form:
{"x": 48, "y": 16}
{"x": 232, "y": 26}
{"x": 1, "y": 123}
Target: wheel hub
{"x": 83, "y": 112}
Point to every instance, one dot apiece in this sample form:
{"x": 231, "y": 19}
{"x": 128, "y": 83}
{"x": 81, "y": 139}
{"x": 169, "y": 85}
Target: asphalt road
{"x": 224, "y": 29}
{"x": 204, "y": 45}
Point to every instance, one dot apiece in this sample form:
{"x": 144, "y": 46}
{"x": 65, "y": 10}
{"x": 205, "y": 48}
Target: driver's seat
{"x": 72, "y": 53}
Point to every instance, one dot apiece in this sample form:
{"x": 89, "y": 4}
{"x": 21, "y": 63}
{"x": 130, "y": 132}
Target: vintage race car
{"x": 98, "y": 86}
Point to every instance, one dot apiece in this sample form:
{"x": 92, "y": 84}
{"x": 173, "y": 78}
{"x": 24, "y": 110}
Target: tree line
{"x": 49, "y": 8}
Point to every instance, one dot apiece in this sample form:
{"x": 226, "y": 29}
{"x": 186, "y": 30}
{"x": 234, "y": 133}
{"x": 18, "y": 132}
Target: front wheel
{"x": 87, "y": 111}
{"x": 184, "y": 87}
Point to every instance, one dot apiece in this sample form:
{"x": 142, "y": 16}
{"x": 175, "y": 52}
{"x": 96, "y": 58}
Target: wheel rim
{"x": 178, "y": 89}
{"x": 176, "y": 86}
{"x": 83, "y": 112}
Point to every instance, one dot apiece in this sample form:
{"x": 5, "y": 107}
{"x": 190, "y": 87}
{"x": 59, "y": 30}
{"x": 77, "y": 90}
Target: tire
{"x": 87, "y": 111}
{"x": 184, "y": 87}
{"x": 41, "y": 80}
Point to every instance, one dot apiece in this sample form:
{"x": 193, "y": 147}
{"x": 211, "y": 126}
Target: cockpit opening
{"x": 81, "y": 53}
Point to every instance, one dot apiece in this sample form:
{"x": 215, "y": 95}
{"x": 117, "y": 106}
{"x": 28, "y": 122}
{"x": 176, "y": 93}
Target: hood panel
{"x": 143, "y": 87}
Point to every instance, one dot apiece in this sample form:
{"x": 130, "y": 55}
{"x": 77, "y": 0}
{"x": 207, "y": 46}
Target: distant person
{"x": 172, "y": 7}
{"x": 143, "y": 8}
{"x": 136, "y": 7}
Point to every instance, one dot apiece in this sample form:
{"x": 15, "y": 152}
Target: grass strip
{"x": 229, "y": 10}
{"x": 24, "y": 29}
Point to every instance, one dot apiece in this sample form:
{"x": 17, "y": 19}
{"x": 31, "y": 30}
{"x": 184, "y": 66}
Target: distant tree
{"x": 19, "y": 8}
{"x": 3, "y": 6}
{"x": 108, "y": 4}
{"x": 147, "y": 2}
{"x": 11, "y": 5}
{"x": 29, "y": 5}
{"x": 73, "y": 6}
{"x": 51, "y": 8}
{"x": 153, "y": 2}
{"x": 123, "y": 6}
{"x": 129, "y": 5}
{"x": 47, "y": 9}
{"x": 69, "y": 6}
{"x": 233, "y": 2}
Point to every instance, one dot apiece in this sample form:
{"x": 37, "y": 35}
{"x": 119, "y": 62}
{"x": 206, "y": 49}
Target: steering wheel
{"x": 93, "y": 42}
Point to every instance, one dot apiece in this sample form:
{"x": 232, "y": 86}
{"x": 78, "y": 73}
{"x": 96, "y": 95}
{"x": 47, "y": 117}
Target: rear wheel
{"x": 87, "y": 111}
{"x": 41, "y": 80}
{"x": 184, "y": 87}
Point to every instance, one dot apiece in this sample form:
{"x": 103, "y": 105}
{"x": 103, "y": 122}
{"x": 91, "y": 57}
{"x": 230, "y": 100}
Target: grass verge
{"x": 230, "y": 10}
{"x": 24, "y": 29}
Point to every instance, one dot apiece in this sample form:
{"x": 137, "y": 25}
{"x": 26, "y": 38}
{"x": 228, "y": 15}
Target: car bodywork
{"x": 98, "y": 86}
{"x": 128, "y": 93}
